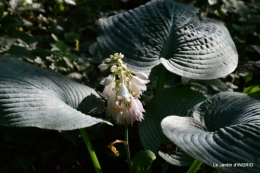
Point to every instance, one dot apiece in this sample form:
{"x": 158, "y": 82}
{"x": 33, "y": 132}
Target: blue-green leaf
{"x": 35, "y": 97}
{"x": 215, "y": 84}
{"x": 170, "y": 33}
{"x": 170, "y": 101}
{"x": 231, "y": 132}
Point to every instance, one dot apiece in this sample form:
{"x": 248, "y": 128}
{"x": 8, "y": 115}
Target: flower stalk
{"x": 123, "y": 88}
{"x": 194, "y": 167}
{"x": 91, "y": 151}
{"x": 127, "y": 149}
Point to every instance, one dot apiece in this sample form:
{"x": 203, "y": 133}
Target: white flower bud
{"x": 107, "y": 60}
{"x": 120, "y": 56}
{"x": 103, "y": 67}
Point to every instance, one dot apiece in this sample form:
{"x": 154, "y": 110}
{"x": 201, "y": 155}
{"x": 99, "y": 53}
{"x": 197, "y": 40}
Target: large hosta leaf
{"x": 232, "y": 135}
{"x": 170, "y": 101}
{"x": 35, "y": 97}
{"x": 164, "y": 31}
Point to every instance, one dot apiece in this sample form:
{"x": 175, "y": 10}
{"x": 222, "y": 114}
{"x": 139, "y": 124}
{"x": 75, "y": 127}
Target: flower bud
{"x": 120, "y": 56}
{"x": 107, "y": 60}
{"x": 103, "y": 67}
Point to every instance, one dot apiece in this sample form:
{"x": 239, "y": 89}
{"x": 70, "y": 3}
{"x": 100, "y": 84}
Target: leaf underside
{"x": 232, "y": 135}
{"x": 171, "y": 101}
{"x": 170, "y": 33}
{"x": 35, "y": 97}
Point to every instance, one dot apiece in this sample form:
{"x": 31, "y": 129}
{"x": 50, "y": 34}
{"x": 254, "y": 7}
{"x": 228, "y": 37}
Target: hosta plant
{"x": 161, "y": 34}
{"x": 165, "y": 32}
{"x": 222, "y": 131}
{"x": 172, "y": 34}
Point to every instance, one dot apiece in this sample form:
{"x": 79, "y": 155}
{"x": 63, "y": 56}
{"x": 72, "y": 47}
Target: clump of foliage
{"x": 65, "y": 36}
{"x": 54, "y": 34}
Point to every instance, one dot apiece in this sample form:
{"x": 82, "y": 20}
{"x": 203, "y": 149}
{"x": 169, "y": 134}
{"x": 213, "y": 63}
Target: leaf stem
{"x": 194, "y": 167}
{"x": 165, "y": 167}
{"x": 127, "y": 149}
{"x": 160, "y": 81}
{"x": 91, "y": 151}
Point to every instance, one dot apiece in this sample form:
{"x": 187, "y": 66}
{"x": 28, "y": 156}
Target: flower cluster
{"x": 122, "y": 89}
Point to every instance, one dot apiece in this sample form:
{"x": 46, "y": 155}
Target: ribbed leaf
{"x": 170, "y": 33}
{"x": 232, "y": 135}
{"x": 35, "y": 97}
{"x": 171, "y": 101}
{"x": 215, "y": 84}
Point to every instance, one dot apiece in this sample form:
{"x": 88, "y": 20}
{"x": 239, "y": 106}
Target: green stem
{"x": 91, "y": 151}
{"x": 165, "y": 167}
{"x": 127, "y": 149}
{"x": 160, "y": 81}
{"x": 194, "y": 167}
